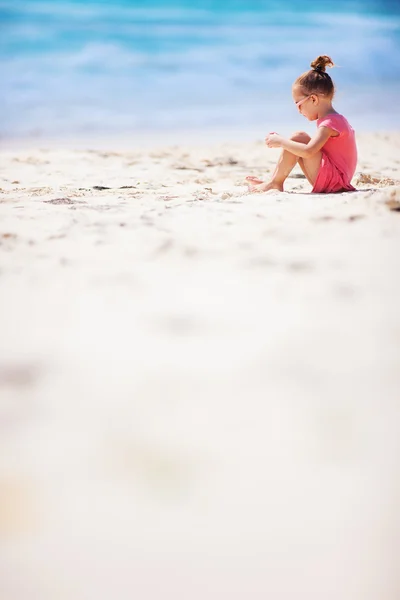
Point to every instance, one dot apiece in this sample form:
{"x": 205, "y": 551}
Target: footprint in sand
{"x": 64, "y": 201}
{"x": 376, "y": 180}
{"x": 393, "y": 205}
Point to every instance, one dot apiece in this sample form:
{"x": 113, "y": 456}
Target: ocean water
{"x": 71, "y": 67}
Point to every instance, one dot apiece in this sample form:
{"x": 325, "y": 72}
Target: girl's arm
{"x": 304, "y": 150}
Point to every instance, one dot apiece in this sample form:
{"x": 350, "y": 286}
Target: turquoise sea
{"x": 97, "y": 67}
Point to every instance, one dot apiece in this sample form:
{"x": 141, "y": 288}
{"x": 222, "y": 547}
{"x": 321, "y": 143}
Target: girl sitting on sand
{"x": 328, "y": 160}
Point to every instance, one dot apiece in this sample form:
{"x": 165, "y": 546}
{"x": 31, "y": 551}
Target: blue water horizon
{"x": 89, "y": 67}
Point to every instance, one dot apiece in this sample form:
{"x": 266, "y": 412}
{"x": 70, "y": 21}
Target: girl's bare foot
{"x": 256, "y": 185}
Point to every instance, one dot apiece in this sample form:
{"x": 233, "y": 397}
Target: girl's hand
{"x": 273, "y": 140}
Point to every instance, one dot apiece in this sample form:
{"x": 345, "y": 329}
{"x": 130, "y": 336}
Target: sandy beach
{"x": 199, "y": 388}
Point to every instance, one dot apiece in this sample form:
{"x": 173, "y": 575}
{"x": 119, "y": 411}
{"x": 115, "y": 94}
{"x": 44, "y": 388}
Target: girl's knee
{"x": 300, "y": 136}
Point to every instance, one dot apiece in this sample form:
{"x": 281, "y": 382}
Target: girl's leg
{"x": 286, "y": 162}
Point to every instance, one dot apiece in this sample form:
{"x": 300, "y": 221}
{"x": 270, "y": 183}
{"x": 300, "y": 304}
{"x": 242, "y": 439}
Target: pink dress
{"x": 339, "y": 157}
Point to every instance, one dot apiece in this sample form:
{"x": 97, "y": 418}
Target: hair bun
{"x": 321, "y": 62}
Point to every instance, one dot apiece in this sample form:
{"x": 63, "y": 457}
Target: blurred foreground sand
{"x": 199, "y": 388}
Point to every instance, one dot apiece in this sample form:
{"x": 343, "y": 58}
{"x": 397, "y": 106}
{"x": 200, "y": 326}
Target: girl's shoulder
{"x": 335, "y": 121}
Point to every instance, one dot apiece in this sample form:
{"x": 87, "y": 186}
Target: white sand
{"x": 199, "y": 388}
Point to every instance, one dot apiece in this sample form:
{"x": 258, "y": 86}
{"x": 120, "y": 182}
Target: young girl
{"x": 328, "y": 160}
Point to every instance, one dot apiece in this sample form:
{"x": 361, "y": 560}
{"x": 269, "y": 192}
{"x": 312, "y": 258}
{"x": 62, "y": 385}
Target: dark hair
{"x": 317, "y": 81}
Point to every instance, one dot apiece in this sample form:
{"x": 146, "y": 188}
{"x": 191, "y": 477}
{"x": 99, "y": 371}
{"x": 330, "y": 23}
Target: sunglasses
{"x": 300, "y": 102}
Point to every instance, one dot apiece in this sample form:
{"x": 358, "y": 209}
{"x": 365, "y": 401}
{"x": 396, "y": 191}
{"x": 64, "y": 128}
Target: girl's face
{"x": 307, "y": 104}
